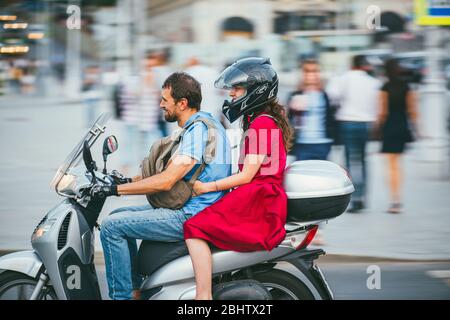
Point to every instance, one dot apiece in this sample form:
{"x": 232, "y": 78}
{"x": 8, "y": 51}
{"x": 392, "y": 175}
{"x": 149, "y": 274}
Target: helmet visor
{"x": 231, "y": 77}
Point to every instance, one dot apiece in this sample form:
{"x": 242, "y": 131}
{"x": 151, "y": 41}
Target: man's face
{"x": 169, "y": 106}
{"x": 150, "y": 62}
{"x": 311, "y": 74}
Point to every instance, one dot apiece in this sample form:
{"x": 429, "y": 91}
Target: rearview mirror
{"x": 110, "y": 145}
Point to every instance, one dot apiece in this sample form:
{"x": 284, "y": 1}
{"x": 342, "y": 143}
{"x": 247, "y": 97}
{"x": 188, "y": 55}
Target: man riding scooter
{"x": 61, "y": 265}
{"x": 180, "y": 101}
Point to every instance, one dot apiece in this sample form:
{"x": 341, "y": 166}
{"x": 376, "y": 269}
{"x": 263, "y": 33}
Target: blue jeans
{"x": 354, "y": 137}
{"x": 118, "y": 235}
{"x": 312, "y": 151}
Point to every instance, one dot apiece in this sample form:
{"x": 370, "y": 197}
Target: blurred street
{"x": 371, "y": 75}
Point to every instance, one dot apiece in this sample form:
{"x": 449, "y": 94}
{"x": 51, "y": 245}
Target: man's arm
{"x": 163, "y": 181}
{"x": 333, "y": 89}
{"x": 136, "y": 178}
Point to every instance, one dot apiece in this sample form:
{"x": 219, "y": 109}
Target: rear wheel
{"x": 18, "y": 286}
{"x": 283, "y": 285}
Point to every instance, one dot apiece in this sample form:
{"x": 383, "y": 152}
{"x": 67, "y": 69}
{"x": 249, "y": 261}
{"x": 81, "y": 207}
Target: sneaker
{"x": 136, "y": 294}
{"x": 395, "y": 208}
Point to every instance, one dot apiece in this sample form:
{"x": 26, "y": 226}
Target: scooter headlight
{"x": 42, "y": 228}
{"x": 67, "y": 183}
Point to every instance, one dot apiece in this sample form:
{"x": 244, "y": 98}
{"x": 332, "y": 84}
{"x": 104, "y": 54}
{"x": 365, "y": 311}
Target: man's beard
{"x": 170, "y": 117}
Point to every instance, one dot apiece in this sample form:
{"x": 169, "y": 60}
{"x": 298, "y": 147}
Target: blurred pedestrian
{"x": 161, "y": 71}
{"x": 357, "y": 93}
{"x": 211, "y": 96}
{"x": 148, "y": 102}
{"x": 27, "y": 81}
{"x": 15, "y": 73}
{"x": 128, "y": 111}
{"x": 138, "y": 108}
{"x": 91, "y": 94}
{"x": 311, "y": 115}
{"x": 397, "y": 119}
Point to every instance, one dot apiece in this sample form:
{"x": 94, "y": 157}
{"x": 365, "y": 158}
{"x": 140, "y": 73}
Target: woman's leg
{"x": 202, "y": 263}
{"x": 395, "y": 176}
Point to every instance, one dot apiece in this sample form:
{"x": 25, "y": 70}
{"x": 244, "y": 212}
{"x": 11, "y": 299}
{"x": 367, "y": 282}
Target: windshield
{"x": 74, "y": 157}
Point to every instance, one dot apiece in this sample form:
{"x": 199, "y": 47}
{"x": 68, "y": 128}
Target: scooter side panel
{"x": 46, "y": 247}
{"x": 223, "y": 261}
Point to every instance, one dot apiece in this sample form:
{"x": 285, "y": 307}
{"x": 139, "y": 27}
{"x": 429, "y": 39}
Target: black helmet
{"x": 258, "y": 77}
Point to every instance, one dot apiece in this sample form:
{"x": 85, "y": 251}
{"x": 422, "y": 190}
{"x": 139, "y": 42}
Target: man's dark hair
{"x": 309, "y": 61}
{"x": 359, "y": 61}
{"x": 185, "y": 86}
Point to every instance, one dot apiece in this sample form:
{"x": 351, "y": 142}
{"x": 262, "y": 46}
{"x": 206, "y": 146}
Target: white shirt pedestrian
{"x": 357, "y": 94}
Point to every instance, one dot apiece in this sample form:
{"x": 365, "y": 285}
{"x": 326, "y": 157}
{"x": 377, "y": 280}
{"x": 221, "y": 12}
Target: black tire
{"x": 283, "y": 285}
{"x": 11, "y": 281}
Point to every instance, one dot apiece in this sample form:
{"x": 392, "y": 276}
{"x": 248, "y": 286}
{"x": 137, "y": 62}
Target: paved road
{"x": 398, "y": 281}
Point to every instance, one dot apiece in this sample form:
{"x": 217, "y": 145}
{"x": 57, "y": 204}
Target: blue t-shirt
{"x": 193, "y": 144}
{"x": 313, "y": 126}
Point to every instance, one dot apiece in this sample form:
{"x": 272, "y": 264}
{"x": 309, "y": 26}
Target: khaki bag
{"x": 161, "y": 153}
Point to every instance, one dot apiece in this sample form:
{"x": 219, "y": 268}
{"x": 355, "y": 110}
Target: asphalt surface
{"x": 398, "y": 281}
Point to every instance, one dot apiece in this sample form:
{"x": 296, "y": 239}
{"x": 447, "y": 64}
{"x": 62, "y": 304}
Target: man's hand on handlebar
{"x": 119, "y": 178}
{"x": 103, "y": 191}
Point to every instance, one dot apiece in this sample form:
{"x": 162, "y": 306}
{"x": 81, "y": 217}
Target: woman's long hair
{"x": 393, "y": 70}
{"x": 277, "y": 111}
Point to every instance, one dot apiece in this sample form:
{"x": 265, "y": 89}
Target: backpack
{"x": 161, "y": 153}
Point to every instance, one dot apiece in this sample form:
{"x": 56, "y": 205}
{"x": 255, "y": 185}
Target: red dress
{"x": 252, "y": 216}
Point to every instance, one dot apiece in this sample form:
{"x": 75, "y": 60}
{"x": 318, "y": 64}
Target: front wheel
{"x": 283, "y": 285}
{"x": 18, "y": 286}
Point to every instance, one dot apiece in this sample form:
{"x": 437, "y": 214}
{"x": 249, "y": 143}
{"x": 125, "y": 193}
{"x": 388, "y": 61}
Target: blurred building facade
{"x": 203, "y": 21}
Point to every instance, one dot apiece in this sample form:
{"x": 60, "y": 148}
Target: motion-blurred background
{"x": 62, "y": 63}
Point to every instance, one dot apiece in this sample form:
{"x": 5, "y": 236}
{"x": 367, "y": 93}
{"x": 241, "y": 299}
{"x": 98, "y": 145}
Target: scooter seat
{"x": 153, "y": 255}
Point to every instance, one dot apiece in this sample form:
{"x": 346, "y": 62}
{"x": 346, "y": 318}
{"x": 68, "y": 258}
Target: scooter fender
{"x": 26, "y": 262}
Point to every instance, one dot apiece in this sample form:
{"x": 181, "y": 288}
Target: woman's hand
{"x": 200, "y": 188}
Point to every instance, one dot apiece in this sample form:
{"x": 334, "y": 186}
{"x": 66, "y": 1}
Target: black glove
{"x": 119, "y": 179}
{"x": 98, "y": 191}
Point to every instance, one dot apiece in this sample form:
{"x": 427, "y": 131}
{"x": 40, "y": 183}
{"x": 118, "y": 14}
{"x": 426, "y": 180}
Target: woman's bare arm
{"x": 252, "y": 163}
{"x": 411, "y": 105}
{"x": 383, "y": 107}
